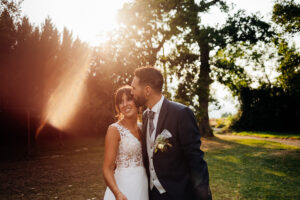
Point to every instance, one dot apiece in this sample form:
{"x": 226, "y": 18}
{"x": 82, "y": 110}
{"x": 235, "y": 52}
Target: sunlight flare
{"x": 64, "y": 101}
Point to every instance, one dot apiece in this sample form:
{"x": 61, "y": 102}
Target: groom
{"x": 170, "y": 142}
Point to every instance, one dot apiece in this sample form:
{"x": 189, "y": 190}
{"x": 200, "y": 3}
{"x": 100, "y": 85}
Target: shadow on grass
{"x": 252, "y": 169}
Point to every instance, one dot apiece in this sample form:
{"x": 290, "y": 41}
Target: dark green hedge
{"x": 268, "y": 109}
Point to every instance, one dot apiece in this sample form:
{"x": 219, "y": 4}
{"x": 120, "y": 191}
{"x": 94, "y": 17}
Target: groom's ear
{"x": 147, "y": 90}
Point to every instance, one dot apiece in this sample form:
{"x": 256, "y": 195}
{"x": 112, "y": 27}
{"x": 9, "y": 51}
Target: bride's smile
{"x": 127, "y": 110}
{"x": 127, "y": 106}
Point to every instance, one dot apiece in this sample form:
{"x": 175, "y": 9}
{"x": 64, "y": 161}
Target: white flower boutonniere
{"x": 162, "y": 141}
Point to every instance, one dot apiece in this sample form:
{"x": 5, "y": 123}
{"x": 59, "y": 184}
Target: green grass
{"x": 239, "y": 169}
{"x": 269, "y": 134}
{"x": 254, "y": 169}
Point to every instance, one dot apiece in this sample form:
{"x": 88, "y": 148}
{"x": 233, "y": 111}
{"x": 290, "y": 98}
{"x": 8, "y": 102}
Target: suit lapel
{"x": 162, "y": 116}
{"x": 144, "y": 126}
{"x": 144, "y": 134}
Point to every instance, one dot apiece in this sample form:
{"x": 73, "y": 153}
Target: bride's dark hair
{"x": 118, "y": 97}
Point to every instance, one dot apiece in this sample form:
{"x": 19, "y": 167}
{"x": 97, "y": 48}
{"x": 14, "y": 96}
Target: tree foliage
{"x": 287, "y": 14}
{"x": 178, "y": 24}
{"x": 268, "y": 109}
{"x": 35, "y": 61}
{"x": 274, "y": 105}
{"x": 289, "y": 68}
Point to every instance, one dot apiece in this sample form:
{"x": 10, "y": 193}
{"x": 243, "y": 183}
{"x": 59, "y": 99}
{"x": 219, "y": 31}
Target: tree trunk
{"x": 204, "y": 83}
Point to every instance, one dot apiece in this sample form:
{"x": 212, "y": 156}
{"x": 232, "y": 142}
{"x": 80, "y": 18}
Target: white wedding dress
{"x": 130, "y": 174}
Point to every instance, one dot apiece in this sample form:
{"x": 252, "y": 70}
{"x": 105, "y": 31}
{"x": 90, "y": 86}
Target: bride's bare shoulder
{"x": 114, "y": 126}
{"x": 112, "y": 131}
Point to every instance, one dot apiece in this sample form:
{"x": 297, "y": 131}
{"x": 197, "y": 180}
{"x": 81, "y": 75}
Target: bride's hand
{"x": 121, "y": 196}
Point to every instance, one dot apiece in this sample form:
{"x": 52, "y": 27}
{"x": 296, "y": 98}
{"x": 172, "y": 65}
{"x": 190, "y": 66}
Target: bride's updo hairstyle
{"x": 118, "y": 97}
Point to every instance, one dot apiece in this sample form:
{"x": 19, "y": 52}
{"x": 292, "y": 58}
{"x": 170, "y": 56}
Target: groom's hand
{"x": 205, "y": 193}
{"x": 190, "y": 141}
{"x": 202, "y": 193}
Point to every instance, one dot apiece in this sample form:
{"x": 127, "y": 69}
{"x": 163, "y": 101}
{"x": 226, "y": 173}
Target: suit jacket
{"x": 181, "y": 169}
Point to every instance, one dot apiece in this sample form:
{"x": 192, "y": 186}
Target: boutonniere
{"x": 162, "y": 141}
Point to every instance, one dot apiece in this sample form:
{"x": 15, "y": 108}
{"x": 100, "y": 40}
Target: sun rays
{"x": 64, "y": 101}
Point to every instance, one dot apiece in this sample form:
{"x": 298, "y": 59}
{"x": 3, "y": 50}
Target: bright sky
{"x": 90, "y": 19}
{"x": 87, "y": 19}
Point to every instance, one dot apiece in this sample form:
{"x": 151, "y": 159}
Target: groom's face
{"x": 138, "y": 92}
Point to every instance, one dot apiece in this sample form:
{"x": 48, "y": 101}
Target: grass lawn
{"x": 239, "y": 169}
{"x": 269, "y": 134}
{"x": 252, "y": 169}
{"x": 72, "y": 172}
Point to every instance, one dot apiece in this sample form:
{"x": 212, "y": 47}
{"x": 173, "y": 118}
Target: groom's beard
{"x": 140, "y": 101}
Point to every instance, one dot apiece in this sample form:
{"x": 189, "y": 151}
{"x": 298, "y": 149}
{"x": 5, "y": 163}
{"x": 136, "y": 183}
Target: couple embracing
{"x": 160, "y": 158}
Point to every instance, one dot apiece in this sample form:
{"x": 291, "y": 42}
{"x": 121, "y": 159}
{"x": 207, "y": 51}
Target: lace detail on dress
{"x": 130, "y": 149}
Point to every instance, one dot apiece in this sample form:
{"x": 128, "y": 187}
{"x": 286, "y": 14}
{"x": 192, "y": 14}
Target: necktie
{"x": 150, "y": 116}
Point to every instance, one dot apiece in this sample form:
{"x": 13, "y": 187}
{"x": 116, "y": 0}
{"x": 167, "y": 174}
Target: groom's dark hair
{"x": 151, "y": 76}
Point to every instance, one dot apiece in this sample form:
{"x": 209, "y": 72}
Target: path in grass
{"x": 279, "y": 140}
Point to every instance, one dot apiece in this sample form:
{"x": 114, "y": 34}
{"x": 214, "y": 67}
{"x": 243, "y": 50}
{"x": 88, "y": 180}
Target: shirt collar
{"x": 156, "y": 108}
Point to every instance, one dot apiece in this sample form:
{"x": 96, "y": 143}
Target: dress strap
{"x": 120, "y": 128}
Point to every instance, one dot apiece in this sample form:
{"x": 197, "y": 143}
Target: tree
{"x": 12, "y": 6}
{"x": 263, "y": 106}
{"x": 178, "y": 23}
{"x": 289, "y": 68}
{"x": 9, "y": 15}
{"x": 287, "y": 14}
{"x": 34, "y": 61}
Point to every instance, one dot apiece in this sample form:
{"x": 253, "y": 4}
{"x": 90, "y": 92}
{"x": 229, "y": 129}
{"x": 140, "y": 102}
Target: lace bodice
{"x": 130, "y": 149}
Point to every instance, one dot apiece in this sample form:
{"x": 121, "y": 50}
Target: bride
{"x": 123, "y": 168}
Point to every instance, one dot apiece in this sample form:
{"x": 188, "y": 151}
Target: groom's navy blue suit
{"x": 181, "y": 169}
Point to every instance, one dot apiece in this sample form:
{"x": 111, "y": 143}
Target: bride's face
{"x": 127, "y": 107}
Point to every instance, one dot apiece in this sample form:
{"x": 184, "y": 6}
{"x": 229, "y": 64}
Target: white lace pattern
{"x": 130, "y": 149}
